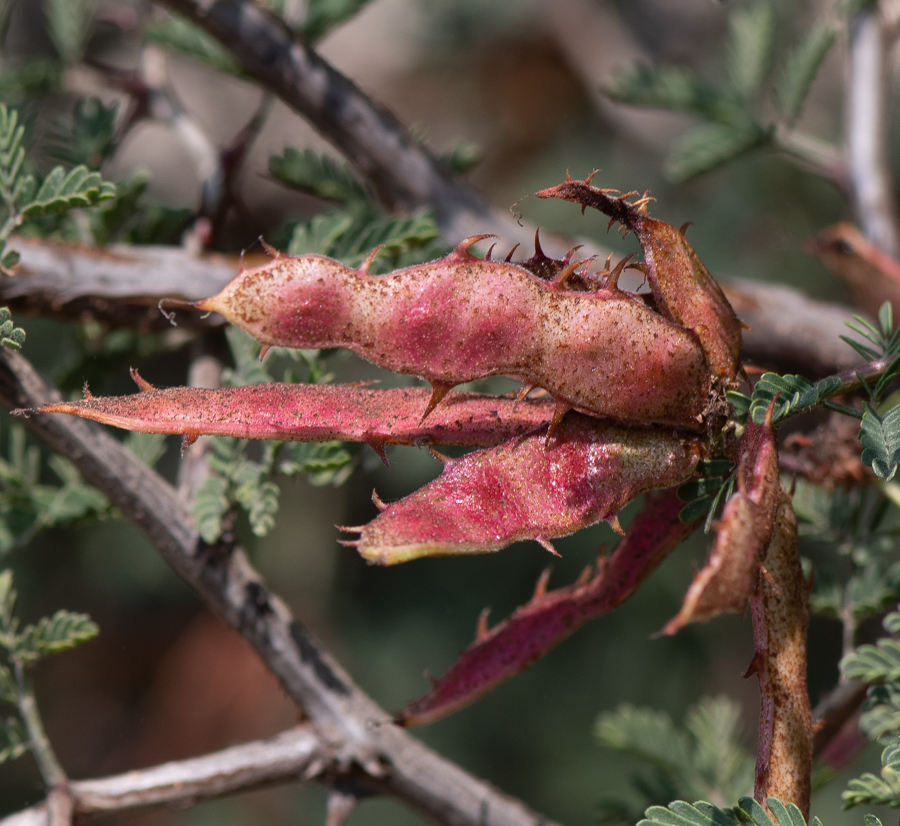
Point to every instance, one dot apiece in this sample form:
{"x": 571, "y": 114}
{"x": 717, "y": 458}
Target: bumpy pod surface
{"x": 515, "y": 644}
{"x": 461, "y": 318}
{"x": 683, "y": 288}
{"x": 528, "y": 488}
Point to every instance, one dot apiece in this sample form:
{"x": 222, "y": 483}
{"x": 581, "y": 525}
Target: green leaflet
{"x": 317, "y": 175}
{"x": 870, "y": 790}
{"x": 880, "y": 438}
{"x": 324, "y": 15}
{"x": 88, "y": 137}
{"x": 712, "y": 145}
{"x": 750, "y": 49}
{"x": 61, "y": 190}
{"x": 179, "y": 35}
{"x": 69, "y": 24}
{"x": 51, "y": 635}
{"x": 706, "y": 759}
{"x": 795, "y": 395}
{"x": 680, "y": 813}
{"x": 801, "y": 68}
{"x": 13, "y": 739}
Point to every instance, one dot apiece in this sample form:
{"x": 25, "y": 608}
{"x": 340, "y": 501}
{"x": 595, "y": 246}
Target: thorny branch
{"x": 360, "y": 733}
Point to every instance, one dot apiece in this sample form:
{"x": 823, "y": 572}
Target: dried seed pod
{"x": 683, "y": 289}
{"x": 461, "y": 318}
{"x": 529, "y": 488}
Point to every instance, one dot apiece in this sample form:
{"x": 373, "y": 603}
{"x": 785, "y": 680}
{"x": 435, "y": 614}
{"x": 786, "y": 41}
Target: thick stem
{"x": 780, "y": 622}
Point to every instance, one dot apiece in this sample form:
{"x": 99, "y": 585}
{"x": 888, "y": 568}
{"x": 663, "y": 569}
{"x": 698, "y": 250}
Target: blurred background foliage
{"x": 515, "y": 92}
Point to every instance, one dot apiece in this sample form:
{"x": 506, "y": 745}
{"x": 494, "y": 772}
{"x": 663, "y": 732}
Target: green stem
{"x": 51, "y": 770}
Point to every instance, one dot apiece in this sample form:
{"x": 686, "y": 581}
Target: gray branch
{"x": 124, "y": 284}
{"x": 868, "y": 127}
{"x": 289, "y": 756}
{"x": 359, "y": 732}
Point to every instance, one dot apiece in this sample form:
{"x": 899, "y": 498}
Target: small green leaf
{"x": 891, "y": 622}
{"x": 51, "y": 635}
{"x": 464, "y": 156}
{"x": 9, "y": 693}
{"x": 179, "y": 35}
{"x": 69, "y": 24}
{"x": 750, "y": 49}
{"x": 9, "y": 260}
{"x": 739, "y": 403}
{"x": 13, "y": 739}
{"x": 209, "y": 506}
{"x": 879, "y": 663}
{"x": 317, "y": 175}
{"x": 323, "y": 15}
{"x": 88, "y": 137}
{"x": 801, "y": 68}
{"x": 61, "y": 191}
{"x": 880, "y": 438}
{"x": 695, "y": 510}
{"x": 712, "y": 145}
{"x": 870, "y": 790}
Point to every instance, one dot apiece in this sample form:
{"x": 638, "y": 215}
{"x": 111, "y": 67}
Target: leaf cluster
{"x": 24, "y": 646}
{"x": 734, "y": 113}
{"x": 27, "y": 505}
{"x": 705, "y": 494}
{"x": 747, "y": 812}
{"x": 707, "y": 758}
{"x": 349, "y": 234}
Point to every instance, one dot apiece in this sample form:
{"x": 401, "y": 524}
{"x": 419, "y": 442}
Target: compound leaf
{"x": 63, "y": 190}
{"x": 317, "y": 175}
{"x": 13, "y": 739}
{"x": 880, "y": 438}
{"x": 801, "y": 68}
{"x": 50, "y": 635}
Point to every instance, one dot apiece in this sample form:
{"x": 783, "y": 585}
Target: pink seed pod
{"x": 461, "y": 318}
{"x": 501, "y": 652}
{"x": 528, "y": 488}
{"x": 729, "y": 578}
{"x": 683, "y": 288}
{"x": 313, "y": 413}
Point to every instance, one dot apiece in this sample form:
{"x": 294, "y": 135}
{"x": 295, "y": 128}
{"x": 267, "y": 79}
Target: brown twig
{"x": 360, "y": 732}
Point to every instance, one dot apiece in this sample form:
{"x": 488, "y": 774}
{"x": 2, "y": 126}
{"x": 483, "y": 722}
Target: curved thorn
{"x": 490, "y": 250}
{"x": 274, "y": 253}
{"x": 86, "y": 391}
{"x": 350, "y": 528}
{"x": 568, "y": 256}
{"x": 378, "y": 446}
{"x": 463, "y": 247}
{"x": 611, "y": 282}
{"x": 348, "y": 543}
{"x": 560, "y": 278}
{"x": 585, "y": 576}
{"x": 540, "y": 587}
{"x": 547, "y": 544}
{"x": 591, "y": 176}
{"x": 439, "y": 390}
{"x": 509, "y": 257}
{"x": 613, "y": 522}
{"x": 562, "y": 407}
{"x": 538, "y": 252}
{"x": 364, "y": 267}
{"x": 188, "y": 439}
{"x": 441, "y": 457}
{"x": 376, "y": 499}
{"x": 264, "y": 348}
{"x": 136, "y": 377}
{"x": 683, "y": 228}
{"x": 481, "y": 627}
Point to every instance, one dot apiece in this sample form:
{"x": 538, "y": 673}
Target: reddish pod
{"x": 462, "y": 318}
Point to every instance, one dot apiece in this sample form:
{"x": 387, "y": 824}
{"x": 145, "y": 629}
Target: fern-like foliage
{"x": 179, "y": 35}
{"x": 50, "y": 635}
{"x": 879, "y": 663}
{"x": 25, "y": 199}
{"x": 27, "y": 505}
{"x": 883, "y": 790}
{"x": 734, "y": 114}
{"x": 748, "y": 811}
{"x": 88, "y": 137}
{"x": 795, "y": 395}
{"x": 317, "y": 175}
{"x": 705, "y": 759}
